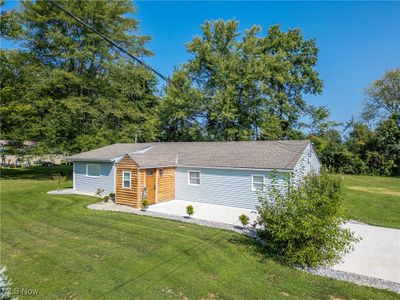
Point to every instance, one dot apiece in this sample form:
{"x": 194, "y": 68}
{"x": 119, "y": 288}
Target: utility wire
{"x": 148, "y": 67}
{"x": 115, "y": 45}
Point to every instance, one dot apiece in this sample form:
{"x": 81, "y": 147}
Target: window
{"x": 93, "y": 170}
{"x": 126, "y": 179}
{"x": 194, "y": 177}
{"x": 257, "y": 182}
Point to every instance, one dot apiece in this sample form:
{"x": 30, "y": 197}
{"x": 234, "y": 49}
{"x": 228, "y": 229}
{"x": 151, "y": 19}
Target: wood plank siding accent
{"x": 166, "y": 184}
{"x": 142, "y": 183}
{"x": 165, "y": 188}
{"x": 127, "y": 196}
{"x": 164, "y": 181}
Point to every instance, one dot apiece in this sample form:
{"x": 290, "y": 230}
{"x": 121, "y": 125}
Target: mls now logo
{"x": 24, "y": 291}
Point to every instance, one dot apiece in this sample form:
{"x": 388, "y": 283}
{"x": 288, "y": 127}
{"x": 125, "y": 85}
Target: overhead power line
{"x": 114, "y": 44}
{"x": 142, "y": 63}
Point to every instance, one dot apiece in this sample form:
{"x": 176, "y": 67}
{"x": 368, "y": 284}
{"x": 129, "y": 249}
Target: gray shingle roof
{"x": 108, "y": 152}
{"x": 251, "y": 154}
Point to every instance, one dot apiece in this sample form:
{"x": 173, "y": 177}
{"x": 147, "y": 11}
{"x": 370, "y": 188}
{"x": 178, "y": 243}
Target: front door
{"x": 151, "y": 185}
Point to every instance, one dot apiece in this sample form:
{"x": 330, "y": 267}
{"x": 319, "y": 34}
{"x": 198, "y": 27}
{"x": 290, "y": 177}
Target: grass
{"x": 373, "y": 200}
{"x": 53, "y": 243}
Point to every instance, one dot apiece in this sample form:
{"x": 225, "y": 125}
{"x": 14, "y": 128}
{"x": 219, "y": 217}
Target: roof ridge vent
{"x": 144, "y": 150}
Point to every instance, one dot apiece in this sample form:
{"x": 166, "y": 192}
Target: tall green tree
{"x": 383, "y": 97}
{"x": 81, "y": 93}
{"x": 241, "y": 85}
{"x": 9, "y": 27}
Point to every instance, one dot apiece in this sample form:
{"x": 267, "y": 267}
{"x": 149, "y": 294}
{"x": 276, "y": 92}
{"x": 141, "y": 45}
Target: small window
{"x": 93, "y": 170}
{"x": 194, "y": 177}
{"x": 257, "y": 182}
{"x": 126, "y": 179}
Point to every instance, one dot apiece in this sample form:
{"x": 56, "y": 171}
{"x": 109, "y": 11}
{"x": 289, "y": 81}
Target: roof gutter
{"x": 243, "y": 169}
{"x": 72, "y": 159}
{"x": 220, "y": 168}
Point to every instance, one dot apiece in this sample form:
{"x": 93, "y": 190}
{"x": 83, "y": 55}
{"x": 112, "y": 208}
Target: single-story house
{"x": 224, "y": 173}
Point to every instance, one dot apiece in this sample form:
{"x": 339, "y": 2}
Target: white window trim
{"x": 87, "y": 170}
{"x": 123, "y": 179}
{"x": 188, "y": 177}
{"x": 252, "y": 182}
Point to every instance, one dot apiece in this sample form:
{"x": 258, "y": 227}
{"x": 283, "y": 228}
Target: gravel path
{"x": 327, "y": 272}
{"x": 357, "y": 279}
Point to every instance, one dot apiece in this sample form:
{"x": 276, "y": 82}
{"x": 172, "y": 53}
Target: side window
{"x": 93, "y": 170}
{"x": 126, "y": 179}
{"x": 257, "y": 182}
{"x": 194, "y": 177}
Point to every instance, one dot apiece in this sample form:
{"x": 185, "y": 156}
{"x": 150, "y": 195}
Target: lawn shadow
{"x": 171, "y": 261}
{"x": 256, "y": 247}
{"x": 36, "y": 172}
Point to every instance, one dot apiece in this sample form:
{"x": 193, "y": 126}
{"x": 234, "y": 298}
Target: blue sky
{"x": 358, "y": 41}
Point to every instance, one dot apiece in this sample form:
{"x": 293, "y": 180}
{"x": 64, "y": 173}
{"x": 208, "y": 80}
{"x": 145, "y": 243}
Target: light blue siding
{"x": 218, "y": 186}
{"x": 315, "y": 163}
{"x": 106, "y": 180}
{"x": 307, "y": 163}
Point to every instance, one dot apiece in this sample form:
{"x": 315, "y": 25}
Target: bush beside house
{"x": 302, "y": 224}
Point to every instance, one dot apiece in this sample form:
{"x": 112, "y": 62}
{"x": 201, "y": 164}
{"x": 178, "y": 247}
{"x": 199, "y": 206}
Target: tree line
{"x": 70, "y": 91}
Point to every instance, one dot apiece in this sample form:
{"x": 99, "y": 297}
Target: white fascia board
{"x": 88, "y": 159}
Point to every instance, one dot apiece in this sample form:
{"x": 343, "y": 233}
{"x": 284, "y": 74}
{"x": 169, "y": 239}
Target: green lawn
{"x": 55, "y": 244}
{"x": 373, "y": 200}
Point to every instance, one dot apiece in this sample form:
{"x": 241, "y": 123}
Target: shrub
{"x": 145, "y": 203}
{"x": 189, "y": 210}
{"x": 99, "y": 192}
{"x": 5, "y": 283}
{"x": 244, "y": 219}
{"x": 112, "y": 196}
{"x": 59, "y": 178}
{"x": 106, "y": 198}
{"x": 302, "y": 224}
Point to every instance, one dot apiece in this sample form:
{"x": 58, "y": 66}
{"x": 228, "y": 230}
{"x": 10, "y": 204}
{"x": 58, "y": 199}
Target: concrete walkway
{"x": 71, "y": 191}
{"x": 376, "y": 255}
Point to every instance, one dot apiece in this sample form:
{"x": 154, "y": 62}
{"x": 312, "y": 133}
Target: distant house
{"x": 224, "y": 173}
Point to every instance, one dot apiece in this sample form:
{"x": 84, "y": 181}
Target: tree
{"x": 360, "y": 139}
{"x": 68, "y": 88}
{"x": 383, "y": 97}
{"x": 241, "y": 86}
{"x": 387, "y": 145}
{"x": 377, "y": 150}
{"x": 9, "y": 26}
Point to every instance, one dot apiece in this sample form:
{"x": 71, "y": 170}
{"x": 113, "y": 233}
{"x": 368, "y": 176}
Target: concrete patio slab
{"x": 205, "y": 211}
